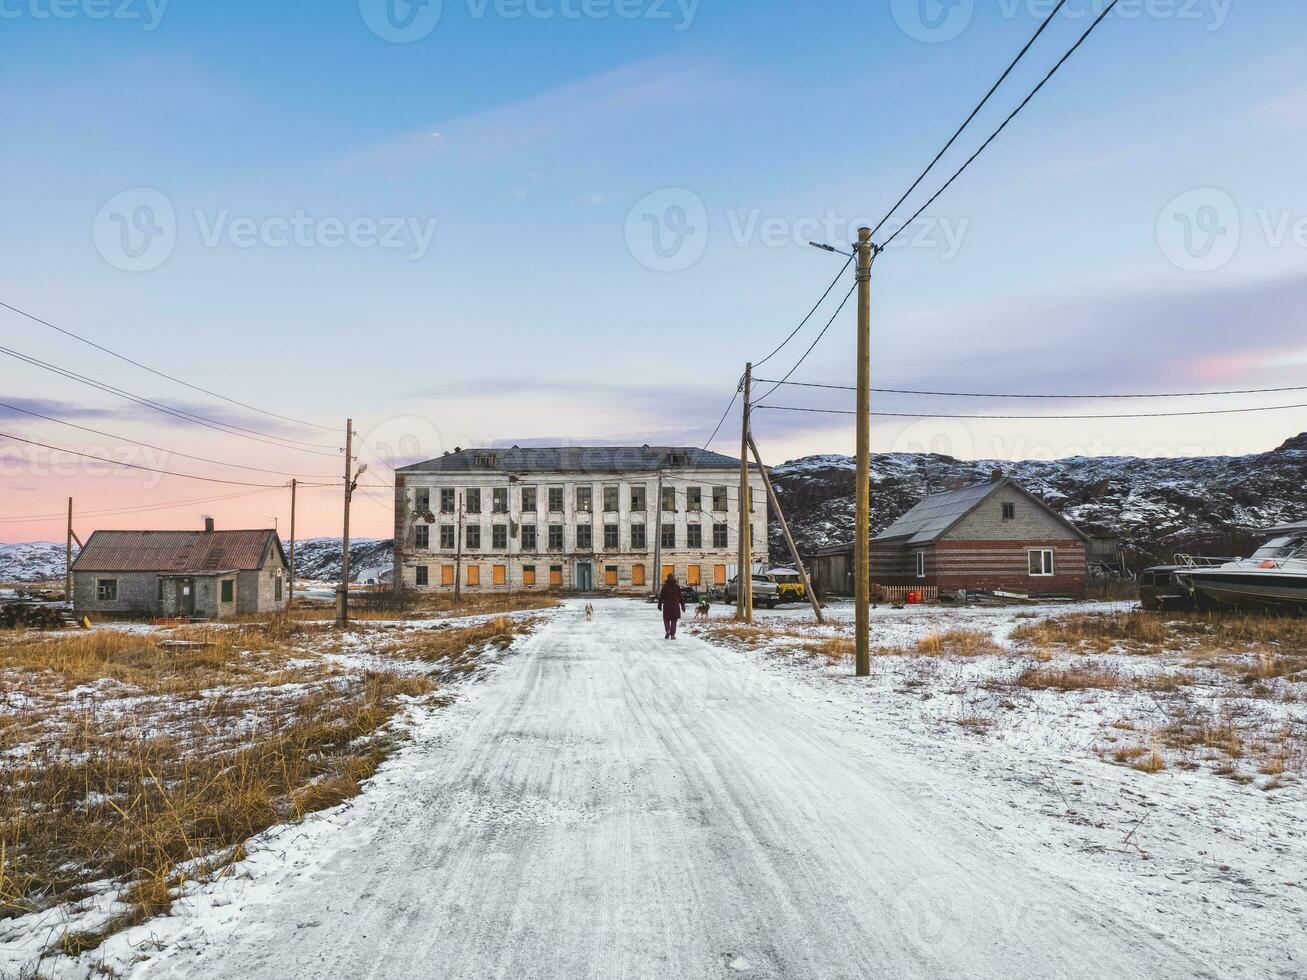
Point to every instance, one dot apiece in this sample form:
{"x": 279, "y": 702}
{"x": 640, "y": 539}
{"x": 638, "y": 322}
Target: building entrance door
{"x": 585, "y": 576}
{"x": 186, "y": 597}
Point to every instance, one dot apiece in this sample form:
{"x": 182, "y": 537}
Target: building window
{"x": 499, "y": 500}
{"x": 528, "y": 537}
{"x": 1009, "y": 512}
{"x": 669, "y": 536}
{"x": 447, "y": 500}
{"x": 473, "y": 532}
{"x": 422, "y": 500}
{"x": 528, "y": 575}
{"x": 693, "y": 575}
{"x": 639, "y": 497}
{"x": 555, "y": 500}
{"x": 276, "y": 591}
{"x": 420, "y": 575}
{"x": 638, "y": 539}
{"x": 106, "y": 589}
{"x": 921, "y": 564}
{"x": 719, "y": 499}
{"x": 611, "y": 537}
{"x": 667, "y": 570}
{"x": 447, "y": 539}
{"x": 529, "y": 500}
{"x": 1041, "y": 562}
{"x": 446, "y": 574}
{"x": 473, "y": 499}
{"x": 610, "y": 575}
{"x": 719, "y": 574}
{"x": 422, "y": 537}
{"x": 555, "y": 537}
{"x": 694, "y": 499}
{"x": 637, "y": 575}
{"x": 499, "y": 574}
{"x": 486, "y": 460}
{"x": 669, "y": 499}
{"x": 473, "y": 574}
{"x": 556, "y": 575}
{"x": 584, "y": 537}
{"x": 161, "y": 591}
{"x": 694, "y": 538}
{"x": 228, "y": 590}
{"x": 611, "y": 495}
{"x": 719, "y": 532}
{"x": 499, "y": 536}
{"x": 584, "y": 499}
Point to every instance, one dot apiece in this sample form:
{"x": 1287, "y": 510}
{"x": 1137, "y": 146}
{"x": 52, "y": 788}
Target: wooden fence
{"x": 899, "y": 593}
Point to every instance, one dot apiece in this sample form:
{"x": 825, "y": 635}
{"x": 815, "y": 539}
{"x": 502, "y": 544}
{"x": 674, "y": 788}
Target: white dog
{"x": 589, "y": 611}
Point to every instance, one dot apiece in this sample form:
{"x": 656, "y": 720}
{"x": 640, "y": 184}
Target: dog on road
{"x": 589, "y": 611}
{"x": 701, "y": 610}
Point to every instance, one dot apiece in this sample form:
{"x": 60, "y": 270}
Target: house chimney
{"x": 208, "y": 525}
{"x": 995, "y": 476}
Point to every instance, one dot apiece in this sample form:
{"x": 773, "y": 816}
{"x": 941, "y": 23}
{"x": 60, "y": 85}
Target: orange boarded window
{"x": 446, "y": 574}
{"x": 555, "y": 574}
{"x": 610, "y": 575}
{"x": 692, "y": 575}
{"x": 667, "y": 570}
{"x": 637, "y": 575}
{"x": 528, "y": 575}
{"x": 499, "y": 574}
{"x": 473, "y": 574}
{"x": 719, "y": 574}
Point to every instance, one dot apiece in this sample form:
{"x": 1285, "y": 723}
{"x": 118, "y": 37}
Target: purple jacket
{"x": 670, "y": 601}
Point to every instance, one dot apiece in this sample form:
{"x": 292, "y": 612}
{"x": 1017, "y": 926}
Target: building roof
{"x": 201, "y": 552}
{"x": 932, "y": 517}
{"x": 1298, "y": 527}
{"x": 574, "y": 459}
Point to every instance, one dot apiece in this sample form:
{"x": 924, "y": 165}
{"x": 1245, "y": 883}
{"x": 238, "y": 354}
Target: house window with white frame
{"x": 1041, "y": 562}
{"x": 921, "y": 564}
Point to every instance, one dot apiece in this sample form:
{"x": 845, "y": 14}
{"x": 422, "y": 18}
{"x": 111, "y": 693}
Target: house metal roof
{"x": 930, "y": 519}
{"x": 574, "y": 459}
{"x": 206, "y": 552}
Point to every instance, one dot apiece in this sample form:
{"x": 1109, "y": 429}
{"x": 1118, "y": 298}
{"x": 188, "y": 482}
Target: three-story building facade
{"x": 585, "y": 518}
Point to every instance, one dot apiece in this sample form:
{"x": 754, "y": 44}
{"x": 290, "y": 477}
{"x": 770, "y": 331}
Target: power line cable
{"x": 1036, "y": 418}
{"x": 974, "y": 112}
{"x": 174, "y": 452}
{"x": 161, "y": 374}
{"x": 138, "y": 466}
{"x": 811, "y": 346}
{"x": 226, "y": 427}
{"x": 722, "y": 420}
{"x": 137, "y": 509}
{"x": 1015, "y": 112}
{"x": 1083, "y": 397}
{"x": 804, "y": 321}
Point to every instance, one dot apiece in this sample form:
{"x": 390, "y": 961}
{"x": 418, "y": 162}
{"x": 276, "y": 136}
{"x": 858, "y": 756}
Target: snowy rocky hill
{"x": 319, "y": 558}
{"x": 37, "y": 561}
{"x": 1156, "y": 506}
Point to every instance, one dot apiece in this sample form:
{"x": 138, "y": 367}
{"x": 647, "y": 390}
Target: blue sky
{"x": 510, "y": 155}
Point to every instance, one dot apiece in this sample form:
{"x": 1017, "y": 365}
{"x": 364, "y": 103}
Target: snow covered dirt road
{"x": 609, "y": 804}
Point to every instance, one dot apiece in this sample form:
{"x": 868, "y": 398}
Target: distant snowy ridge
{"x": 36, "y": 561}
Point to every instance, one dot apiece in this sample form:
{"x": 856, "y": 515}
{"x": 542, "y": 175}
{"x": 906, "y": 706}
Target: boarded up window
{"x": 446, "y": 574}
{"x": 693, "y": 575}
{"x": 719, "y": 574}
{"x": 556, "y": 575}
{"x": 499, "y": 574}
{"x": 528, "y": 575}
{"x": 668, "y": 570}
{"x": 637, "y": 575}
{"x": 610, "y": 575}
{"x": 473, "y": 574}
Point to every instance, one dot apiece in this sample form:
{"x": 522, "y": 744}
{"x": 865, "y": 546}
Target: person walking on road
{"x": 672, "y": 605}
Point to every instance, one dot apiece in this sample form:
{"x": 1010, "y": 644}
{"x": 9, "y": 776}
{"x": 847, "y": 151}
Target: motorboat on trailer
{"x": 1275, "y": 577}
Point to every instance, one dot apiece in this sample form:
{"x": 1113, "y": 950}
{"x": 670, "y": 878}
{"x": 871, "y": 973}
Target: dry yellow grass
{"x": 225, "y": 735}
{"x": 958, "y": 643}
{"x": 1077, "y": 677}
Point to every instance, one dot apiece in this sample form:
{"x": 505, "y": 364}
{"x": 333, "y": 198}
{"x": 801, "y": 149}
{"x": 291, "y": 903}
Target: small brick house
{"x": 192, "y": 574}
{"x": 994, "y": 535}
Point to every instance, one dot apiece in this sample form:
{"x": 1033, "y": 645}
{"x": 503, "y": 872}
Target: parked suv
{"x": 765, "y": 591}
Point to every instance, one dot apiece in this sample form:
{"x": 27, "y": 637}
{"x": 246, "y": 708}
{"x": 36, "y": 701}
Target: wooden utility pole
{"x": 658, "y": 537}
{"x": 351, "y": 483}
{"x": 862, "y": 512}
{"x": 789, "y": 538}
{"x": 744, "y": 578}
{"x": 290, "y": 596}
{"x": 68, "y": 557}
{"x": 458, "y": 552}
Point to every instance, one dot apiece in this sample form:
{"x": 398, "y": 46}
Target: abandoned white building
{"x": 576, "y": 519}
{"x": 202, "y": 574}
